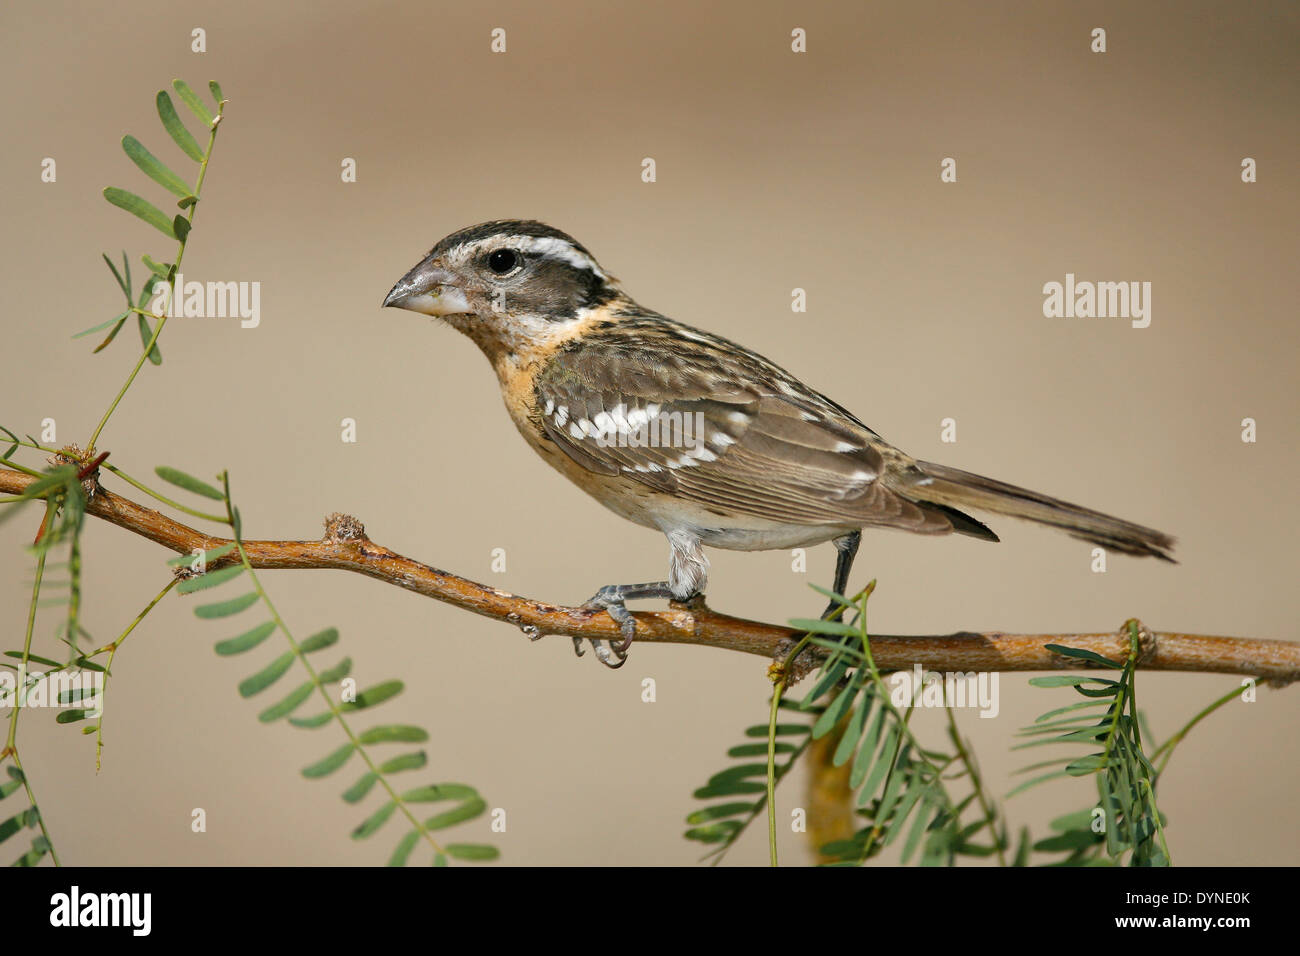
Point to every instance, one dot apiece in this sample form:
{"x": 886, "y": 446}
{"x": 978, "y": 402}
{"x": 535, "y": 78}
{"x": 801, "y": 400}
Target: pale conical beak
{"x": 429, "y": 289}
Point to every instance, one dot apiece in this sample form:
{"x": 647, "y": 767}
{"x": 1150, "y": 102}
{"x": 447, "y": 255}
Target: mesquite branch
{"x": 345, "y": 547}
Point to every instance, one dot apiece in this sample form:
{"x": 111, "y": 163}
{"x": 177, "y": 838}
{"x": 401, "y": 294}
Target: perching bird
{"x": 684, "y": 431}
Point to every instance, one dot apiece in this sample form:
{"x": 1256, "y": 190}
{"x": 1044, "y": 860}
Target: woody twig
{"x": 346, "y": 547}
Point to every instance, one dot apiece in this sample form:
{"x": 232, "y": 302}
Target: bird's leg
{"x": 687, "y": 575}
{"x": 846, "y": 547}
{"x": 612, "y": 598}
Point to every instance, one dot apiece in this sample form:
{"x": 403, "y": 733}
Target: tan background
{"x": 774, "y": 171}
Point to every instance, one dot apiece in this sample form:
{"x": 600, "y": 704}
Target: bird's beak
{"x": 430, "y": 289}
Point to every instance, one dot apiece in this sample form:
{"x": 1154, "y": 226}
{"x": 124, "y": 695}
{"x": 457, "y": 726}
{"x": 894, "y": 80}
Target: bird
{"x": 686, "y": 432}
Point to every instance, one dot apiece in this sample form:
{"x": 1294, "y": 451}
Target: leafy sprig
{"x": 741, "y": 786}
{"x": 895, "y": 777}
{"x": 901, "y": 785}
{"x": 177, "y": 227}
{"x": 65, "y": 488}
{"x": 1125, "y": 820}
{"x": 463, "y": 802}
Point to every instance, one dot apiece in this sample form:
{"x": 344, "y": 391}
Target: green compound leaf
{"x": 118, "y": 320}
{"x": 267, "y": 676}
{"x": 191, "y": 99}
{"x": 357, "y": 792}
{"x": 1080, "y": 820}
{"x": 468, "y": 810}
{"x": 733, "y": 788}
{"x": 288, "y": 705}
{"x": 40, "y": 847}
{"x": 146, "y": 333}
{"x": 246, "y": 641}
{"x": 1086, "y": 765}
{"x": 411, "y": 761}
{"x": 848, "y": 743}
{"x": 1057, "y": 712}
{"x": 328, "y": 765}
{"x": 320, "y": 640}
{"x": 227, "y": 608}
{"x": 26, "y": 818}
{"x": 782, "y": 730}
{"x": 834, "y": 711}
{"x": 33, "y": 658}
{"x": 160, "y": 269}
{"x": 1059, "y": 680}
{"x": 140, "y": 208}
{"x": 439, "y": 791}
{"x": 394, "y": 733}
{"x": 152, "y": 167}
{"x": 123, "y": 284}
{"x": 372, "y": 696}
{"x": 715, "y": 833}
{"x": 311, "y": 723}
{"x": 720, "y": 811}
{"x": 836, "y": 628}
{"x": 402, "y": 852}
{"x": 176, "y": 129}
{"x": 1080, "y": 654}
{"x": 336, "y": 673}
{"x": 759, "y": 750}
{"x": 472, "y": 851}
{"x": 374, "y": 821}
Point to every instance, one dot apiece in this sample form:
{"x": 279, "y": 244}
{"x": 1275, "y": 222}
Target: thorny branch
{"x": 345, "y": 547}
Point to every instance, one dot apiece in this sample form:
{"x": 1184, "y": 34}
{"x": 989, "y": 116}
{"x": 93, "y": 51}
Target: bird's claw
{"x": 612, "y": 655}
{"x": 611, "y": 599}
{"x": 609, "y": 654}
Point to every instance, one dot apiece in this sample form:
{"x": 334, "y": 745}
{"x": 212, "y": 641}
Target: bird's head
{"x": 507, "y": 284}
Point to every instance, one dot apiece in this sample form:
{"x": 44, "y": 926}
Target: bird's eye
{"x": 502, "y": 261}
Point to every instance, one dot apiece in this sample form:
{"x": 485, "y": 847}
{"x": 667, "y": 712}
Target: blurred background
{"x": 775, "y": 170}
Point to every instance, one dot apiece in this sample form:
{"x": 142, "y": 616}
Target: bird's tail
{"x": 953, "y": 488}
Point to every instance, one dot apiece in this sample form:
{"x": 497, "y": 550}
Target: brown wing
{"x": 726, "y": 437}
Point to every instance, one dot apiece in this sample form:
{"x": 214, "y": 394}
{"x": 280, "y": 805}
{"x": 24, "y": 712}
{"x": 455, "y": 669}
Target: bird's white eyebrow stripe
{"x": 548, "y": 246}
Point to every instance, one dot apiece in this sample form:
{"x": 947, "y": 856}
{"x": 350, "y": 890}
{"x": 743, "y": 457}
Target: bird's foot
{"x": 612, "y": 599}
